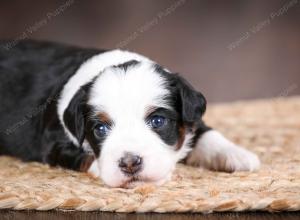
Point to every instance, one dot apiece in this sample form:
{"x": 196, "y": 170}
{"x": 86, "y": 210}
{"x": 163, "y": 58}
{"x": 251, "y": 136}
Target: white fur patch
{"x": 87, "y": 71}
{"x": 215, "y": 152}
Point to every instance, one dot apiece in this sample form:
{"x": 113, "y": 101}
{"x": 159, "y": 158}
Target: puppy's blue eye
{"x": 102, "y": 129}
{"x": 157, "y": 121}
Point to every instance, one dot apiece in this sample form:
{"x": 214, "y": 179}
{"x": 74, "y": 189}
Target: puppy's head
{"x": 138, "y": 118}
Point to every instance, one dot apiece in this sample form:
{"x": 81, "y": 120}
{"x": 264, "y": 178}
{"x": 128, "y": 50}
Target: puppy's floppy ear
{"x": 193, "y": 103}
{"x": 74, "y": 116}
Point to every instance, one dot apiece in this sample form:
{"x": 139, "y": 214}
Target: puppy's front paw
{"x": 215, "y": 152}
{"x": 235, "y": 159}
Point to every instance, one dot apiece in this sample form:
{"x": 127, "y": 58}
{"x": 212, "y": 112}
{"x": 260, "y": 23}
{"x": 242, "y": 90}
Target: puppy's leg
{"x": 213, "y": 151}
{"x": 69, "y": 156}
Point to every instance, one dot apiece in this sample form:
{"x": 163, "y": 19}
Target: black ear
{"x": 193, "y": 103}
{"x": 74, "y": 116}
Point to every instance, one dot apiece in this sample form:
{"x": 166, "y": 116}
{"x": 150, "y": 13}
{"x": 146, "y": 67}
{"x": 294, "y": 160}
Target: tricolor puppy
{"x": 115, "y": 114}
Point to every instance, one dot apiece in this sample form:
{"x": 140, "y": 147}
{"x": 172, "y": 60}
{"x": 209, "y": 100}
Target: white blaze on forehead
{"x": 125, "y": 95}
{"x": 85, "y": 74}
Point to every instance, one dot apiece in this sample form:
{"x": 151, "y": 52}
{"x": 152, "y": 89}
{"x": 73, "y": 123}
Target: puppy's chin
{"x": 133, "y": 184}
{"x": 138, "y": 182}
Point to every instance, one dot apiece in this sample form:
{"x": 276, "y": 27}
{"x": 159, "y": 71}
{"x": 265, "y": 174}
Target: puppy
{"x": 115, "y": 114}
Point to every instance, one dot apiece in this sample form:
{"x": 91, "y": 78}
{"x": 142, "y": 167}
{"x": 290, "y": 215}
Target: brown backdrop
{"x": 230, "y": 50}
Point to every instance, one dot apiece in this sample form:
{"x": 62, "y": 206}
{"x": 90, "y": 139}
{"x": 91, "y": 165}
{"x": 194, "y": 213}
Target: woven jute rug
{"x": 271, "y": 128}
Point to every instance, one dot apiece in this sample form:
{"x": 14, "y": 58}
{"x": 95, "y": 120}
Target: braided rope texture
{"x": 271, "y": 128}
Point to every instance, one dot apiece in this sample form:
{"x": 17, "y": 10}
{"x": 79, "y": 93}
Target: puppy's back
{"x": 32, "y": 74}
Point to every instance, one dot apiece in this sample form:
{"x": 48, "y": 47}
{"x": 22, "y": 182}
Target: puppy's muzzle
{"x": 130, "y": 164}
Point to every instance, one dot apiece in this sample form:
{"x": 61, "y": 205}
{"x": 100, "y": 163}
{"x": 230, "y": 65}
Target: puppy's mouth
{"x": 134, "y": 182}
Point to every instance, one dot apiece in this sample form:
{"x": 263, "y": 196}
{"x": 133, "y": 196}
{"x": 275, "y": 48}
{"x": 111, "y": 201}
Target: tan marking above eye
{"x": 104, "y": 117}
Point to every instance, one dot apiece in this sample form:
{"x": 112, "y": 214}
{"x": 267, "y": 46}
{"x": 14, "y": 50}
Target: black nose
{"x": 130, "y": 164}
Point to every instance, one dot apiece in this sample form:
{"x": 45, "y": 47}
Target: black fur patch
{"x": 32, "y": 75}
{"x": 76, "y": 113}
{"x": 189, "y": 103}
{"x": 169, "y": 133}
